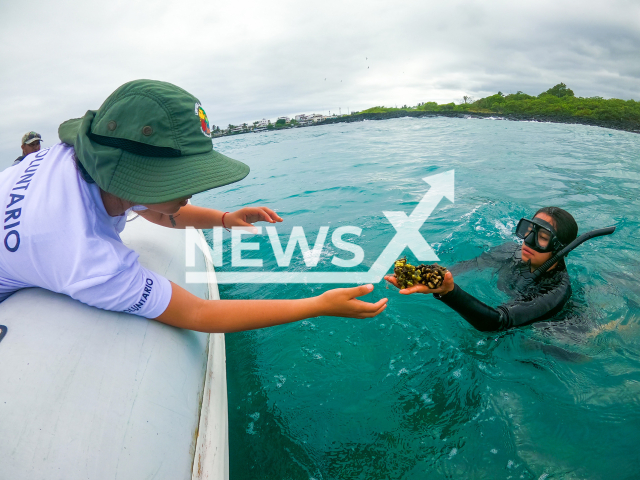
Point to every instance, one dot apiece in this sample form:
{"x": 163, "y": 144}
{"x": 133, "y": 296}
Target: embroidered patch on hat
{"x": 204, "y": 121}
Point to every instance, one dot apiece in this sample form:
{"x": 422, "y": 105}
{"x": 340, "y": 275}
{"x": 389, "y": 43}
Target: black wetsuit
{"x": 531, "y": 302}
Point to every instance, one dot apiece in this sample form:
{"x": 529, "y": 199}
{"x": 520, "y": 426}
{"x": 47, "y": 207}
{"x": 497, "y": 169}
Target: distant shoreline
{"x": 359, "y": 117}
{"x": 556, "y": 105}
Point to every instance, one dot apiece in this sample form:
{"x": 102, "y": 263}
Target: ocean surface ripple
{"x": 416, "y": 392}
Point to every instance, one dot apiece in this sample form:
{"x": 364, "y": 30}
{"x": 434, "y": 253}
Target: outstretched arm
{"x": 488, "y": 319}
{"x": 223, "y": 316}
{"x": 203, "y": 218}
{"x": 509, "y": 315}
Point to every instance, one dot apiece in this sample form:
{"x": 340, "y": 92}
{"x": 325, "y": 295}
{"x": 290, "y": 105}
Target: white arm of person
{"x": 223, "y": 316}
{"x": 203, "y": 218}
{"x": 188, "y": 311}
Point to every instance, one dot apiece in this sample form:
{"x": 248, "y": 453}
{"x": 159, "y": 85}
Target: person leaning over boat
{"x": 147, "y": 148}
{"x": 31, "y": 142}
{"x": 550, "y": 230}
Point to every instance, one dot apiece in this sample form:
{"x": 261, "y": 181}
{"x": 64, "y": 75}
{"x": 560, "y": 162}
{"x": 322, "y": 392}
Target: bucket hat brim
{"x": 148, "y": 180}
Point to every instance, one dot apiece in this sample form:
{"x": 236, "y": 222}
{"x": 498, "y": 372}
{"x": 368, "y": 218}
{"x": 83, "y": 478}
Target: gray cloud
{"x": 248, "y": 60}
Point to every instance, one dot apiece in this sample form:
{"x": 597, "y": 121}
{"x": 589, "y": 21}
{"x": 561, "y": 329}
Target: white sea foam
{"x": 474, "y": 210}
{"x": 250, "y": 428}
{"x": 280, "y": 379}
{"x": 426, "y": 399}
{"x": 505, "y": 231}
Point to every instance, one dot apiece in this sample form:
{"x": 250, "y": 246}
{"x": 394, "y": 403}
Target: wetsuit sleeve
{"x": 480, "y": 315}
{"x": 512, "y": 314}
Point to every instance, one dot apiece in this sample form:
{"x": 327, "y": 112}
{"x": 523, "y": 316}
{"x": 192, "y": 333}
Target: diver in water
{"x": 533, "y": 299}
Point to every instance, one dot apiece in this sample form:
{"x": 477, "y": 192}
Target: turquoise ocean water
{"x": 416, "y": 392}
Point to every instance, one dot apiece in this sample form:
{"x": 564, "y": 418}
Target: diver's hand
{"x": 247, "y": 216}
{"x": 343, "y": 302}
{"x": 446, "y": 287}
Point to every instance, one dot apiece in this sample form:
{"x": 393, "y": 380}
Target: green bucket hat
{"x": 150, "y": 142}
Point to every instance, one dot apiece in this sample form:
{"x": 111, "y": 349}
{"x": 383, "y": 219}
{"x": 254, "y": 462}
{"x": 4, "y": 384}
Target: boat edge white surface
{"x": 211, "y": 460}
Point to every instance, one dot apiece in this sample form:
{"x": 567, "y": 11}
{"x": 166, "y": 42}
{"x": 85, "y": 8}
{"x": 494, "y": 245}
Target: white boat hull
{"x": 91, "y": 394}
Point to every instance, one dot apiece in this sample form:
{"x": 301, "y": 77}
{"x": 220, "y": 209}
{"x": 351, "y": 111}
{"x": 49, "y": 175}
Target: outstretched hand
{"x": 247, "y": 216}
{"x": 446, "y": 287}
{"x": 343, "y": 302}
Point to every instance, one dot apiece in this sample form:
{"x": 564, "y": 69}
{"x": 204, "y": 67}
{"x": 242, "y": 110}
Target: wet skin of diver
{"x": 533, "y": 299}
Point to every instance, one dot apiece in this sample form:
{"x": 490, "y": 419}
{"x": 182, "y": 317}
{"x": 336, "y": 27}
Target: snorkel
{"x": 565, "y": 251}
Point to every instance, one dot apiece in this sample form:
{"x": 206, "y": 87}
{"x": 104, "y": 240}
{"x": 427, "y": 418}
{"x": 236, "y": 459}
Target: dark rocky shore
{"x": 616, "y": 125}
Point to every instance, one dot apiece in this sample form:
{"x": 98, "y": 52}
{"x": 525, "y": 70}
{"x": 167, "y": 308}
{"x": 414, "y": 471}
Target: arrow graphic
{"x": 407, "y": 235}
{"x": 408, "y": 228}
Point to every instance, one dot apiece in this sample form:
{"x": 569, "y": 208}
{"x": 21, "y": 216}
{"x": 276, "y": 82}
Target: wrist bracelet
{"x": 223, "y": 222}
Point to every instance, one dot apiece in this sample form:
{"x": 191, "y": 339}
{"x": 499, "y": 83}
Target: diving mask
{"x": 538, "y": 235}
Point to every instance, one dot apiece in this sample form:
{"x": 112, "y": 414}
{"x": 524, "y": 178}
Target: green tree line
{"x": 558, "y": 101}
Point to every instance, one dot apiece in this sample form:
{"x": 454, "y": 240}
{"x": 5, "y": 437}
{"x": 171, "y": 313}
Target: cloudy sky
{"x": 254, "y": 59}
